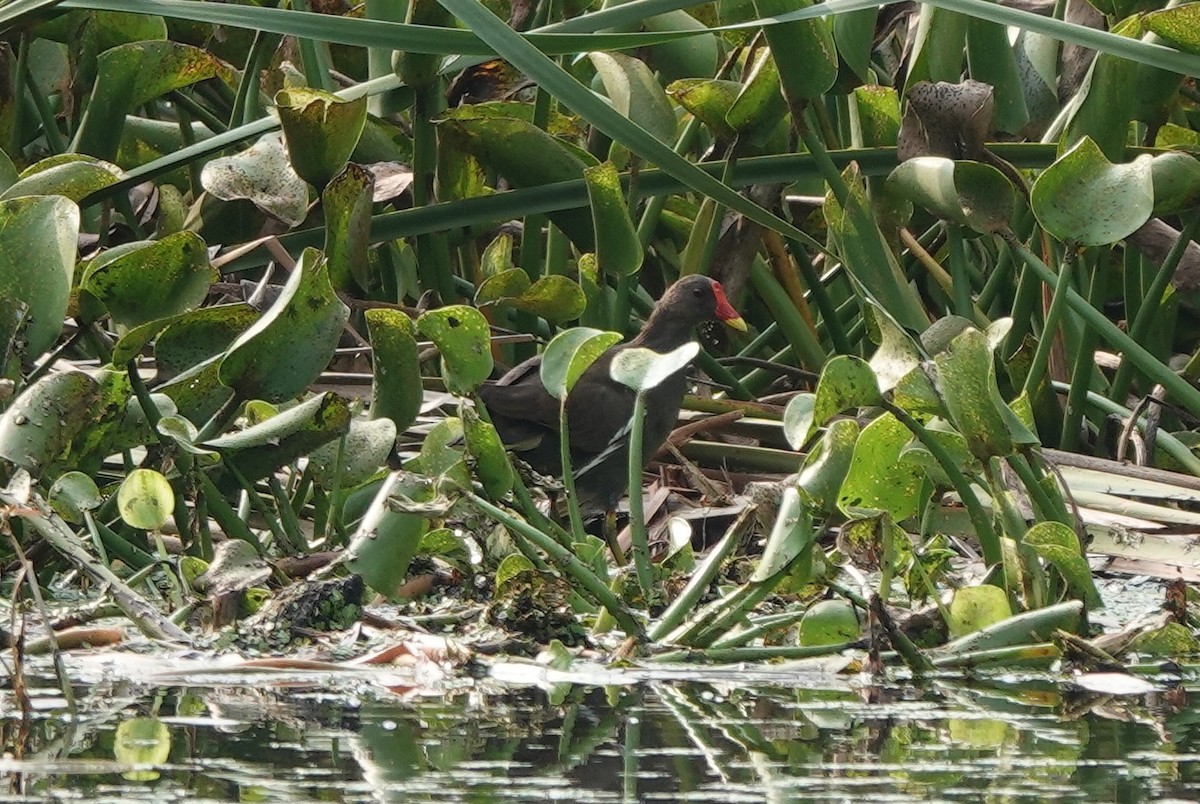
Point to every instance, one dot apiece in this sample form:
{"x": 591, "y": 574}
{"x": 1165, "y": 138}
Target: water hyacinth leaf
{"x": 8, "y": 172}
{"x": 1168, "y": 641}
{"x": 898, "y": 353}
{"x": 198, "y": 392}
{"x": 133, "y": 74}
{"x": 38, "y": 231}
{"x": 492, "y": 466}
{"x": 262, "y": 448}
{"x": 396, "y": 391}
{"x": 618, "y": 250}
{"x": 118, "y": 423}
{"x": 878, "y": 109}
{"x": 1083, "y": 198}
{"x": 644, "y": 369}
{"x": 952, "y": 442}
{"x": 1179, "y": 25}
{"x": 442, "y": 454}
{"x": 289, "y": 346}
{"x": 825, "y": 466}
{"x": 504, "y": 144}
{"x": 760, "y": 103}
{"x": 149, "y": 280}
{"x": 862, "y": 540}
{"x": 1176, "y": 178}
{"x": 145, "y": 499}
{"x": 183, "y": 433}
{"x": 963, "y": 192}
{"x": 804, "y": 51}
{"x": 846, "y": 382}
{"x": 497, "y": 258}
{"x": 44, "y": 418}
{"x": 708, "y": 99}
{"x": 636, "y": 93}
{"x": 568, "y": 355}
{"x": 829, "y": 622}
{"x": 346, "y": 201}
{"x": 502, "y": 286}
{"x": 790, "y": 536}
{"x": 1059, "y": 545}
{"x": 896, "y": 491}
{"x": 72, "y": 494}
{"x": 1124, "y": 91}
{"x": 72, "y": 176}
{"x": 974, "y": 608}
{"x": 968, "y": 388}
{"x": 320, "y": 130}
{"x": 383, "y": 547}
{"x": 196, "y": 335}
{"x": 462, "y": 336}
{"x": 511, "y": 568}
{"x": 262, "y": 175}
{"x": 367, "y": 446}
{"x": 798, "y": 419}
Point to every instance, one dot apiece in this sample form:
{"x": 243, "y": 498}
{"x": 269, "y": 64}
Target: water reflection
{"x": 659, "y": 741}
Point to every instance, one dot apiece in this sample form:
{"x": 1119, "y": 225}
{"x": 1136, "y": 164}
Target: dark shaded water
{"x": 772, "y": 736}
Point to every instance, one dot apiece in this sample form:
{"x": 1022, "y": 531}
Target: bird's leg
{"x": 610, "y": 535}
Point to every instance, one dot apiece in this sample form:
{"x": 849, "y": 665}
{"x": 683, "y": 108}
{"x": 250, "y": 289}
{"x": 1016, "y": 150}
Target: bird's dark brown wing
{"x": 598, "y": 408}
{"x": 520, "y": 395}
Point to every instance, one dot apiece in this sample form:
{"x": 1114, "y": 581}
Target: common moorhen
{"x": 599, "y": 407}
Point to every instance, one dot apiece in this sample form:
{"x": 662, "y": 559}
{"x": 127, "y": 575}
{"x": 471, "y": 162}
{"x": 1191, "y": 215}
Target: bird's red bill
{"x": 725, "y": 310}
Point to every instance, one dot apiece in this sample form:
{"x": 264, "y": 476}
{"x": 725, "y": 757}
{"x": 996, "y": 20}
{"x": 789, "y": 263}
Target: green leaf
{"x": 368, "y": 444}
{"x": 383, "y": 547}
{"x": 553, "y": 297}
{"x": 38, "y": 231}
{"x": 442, "y": 454}
{"x": 492, "y": 466}
{"x": 709, "y": 100}
{"x": 968, "y": 193}
{"x": 462, "y": 336}
{"x": 396, "y": 391}
{"x": 619, "y": 252}
{"x": 760, "y": 104}
{"x": 285, "y": 351}
{"x": 829, "y": 622}
{"x": 150, "y": 280}
{"x": 974, "y": 608}
{"x": 990, "y": 59}
{"x": 896, "y": 491}
{"x": 505, "y": 144}
{"x": 320, "y": 130}
{"x": 1059, "y": 545}
{"x": 1083, "y": 198}
{"x": 346, "y": 201}
{"x": 1176, "y": 178}
{"x": 1179, "y": 25}
{"x": 803, "y": 51}
{"x": 825, "y": 466}
{"x": 513, "y": 566}
{"x": 636, "y": 93}
{"x": 132, "y": 75}
{"x": 44, "y": 418}
{"x": 791, "y": 534}
{"x": 260, "y": 449}
{"x": 569, "y": 354}
{"x": 190, "y": 339}
{"x": 145, "y": 499}
{"x": 142, "y": 744}
{"x": 846, "y": 382}
{"x": 967, "y": 374}
{"x": 644, "y": 369}
{"x": 263, "y": 175}
{"x": 73, "y": 176}
{"x": 72, "y": 494}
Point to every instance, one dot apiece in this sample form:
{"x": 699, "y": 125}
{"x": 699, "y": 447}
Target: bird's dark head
{"x": 689, "y": 302}
{"x": 699, "y": 298}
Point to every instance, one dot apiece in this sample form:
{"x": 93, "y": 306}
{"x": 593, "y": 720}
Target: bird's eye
{"x": 698, "y": 292}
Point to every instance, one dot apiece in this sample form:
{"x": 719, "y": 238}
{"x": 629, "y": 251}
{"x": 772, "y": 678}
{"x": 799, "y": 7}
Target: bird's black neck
{"x": 665, "y": 332}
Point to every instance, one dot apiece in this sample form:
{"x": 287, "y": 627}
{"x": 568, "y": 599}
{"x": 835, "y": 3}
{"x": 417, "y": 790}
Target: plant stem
{"x": 640, "y": 546}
